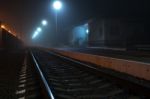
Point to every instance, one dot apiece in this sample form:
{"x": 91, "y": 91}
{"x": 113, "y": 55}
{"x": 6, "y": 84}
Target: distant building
{"x": 115, "y": 32}
{"x": 112, "y": 32}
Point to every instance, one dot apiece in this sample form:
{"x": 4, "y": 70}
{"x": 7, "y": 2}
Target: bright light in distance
{"x": 44, "y": 22}
{"x": 57, "y": 5}
{"x": 39, "y": 29}
{"x": 2, "y": 26}
{"x": 35, "y": 34}
{"x": 87, "y": 31}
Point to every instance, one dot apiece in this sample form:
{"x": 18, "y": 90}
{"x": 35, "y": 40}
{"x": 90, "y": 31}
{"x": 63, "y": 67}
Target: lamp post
{"x": 57, "y": 5}
{"x": 36, "y": 33}
{"x": 39, "y": 29}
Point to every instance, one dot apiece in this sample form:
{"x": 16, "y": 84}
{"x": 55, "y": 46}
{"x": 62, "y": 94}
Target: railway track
{"x": 28, "y": 82}
{"x": 18, "y": 78}
{"x": 47, "y": 75}
{"x": 66, "y": 80}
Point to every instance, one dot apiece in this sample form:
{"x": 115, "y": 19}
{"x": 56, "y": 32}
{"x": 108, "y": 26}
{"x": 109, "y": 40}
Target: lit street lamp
{"x": 44, "y": 22}
{"x": 35, "y": 34}
{"x": 39, "y": 29}
{"x": 57, "y": 5}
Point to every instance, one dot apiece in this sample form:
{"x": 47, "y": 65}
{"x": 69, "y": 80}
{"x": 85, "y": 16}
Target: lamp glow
{"x": 2, "y": 26}
{"x": 35, "y": 34}
{"x": 57, "y": 5}
{"x": 39, "y": 29}
{"x": 87, "y": 31}
{"x": 44, "y": 22}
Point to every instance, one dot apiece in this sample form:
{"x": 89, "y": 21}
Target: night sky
{"x": 25, "y": 15}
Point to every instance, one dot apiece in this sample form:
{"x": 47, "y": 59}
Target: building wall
{"x": 10, "y": 41}
{"x": 116, "y": 32}
{"x": 96, "y": 35}
{"x": 0, "y": 35}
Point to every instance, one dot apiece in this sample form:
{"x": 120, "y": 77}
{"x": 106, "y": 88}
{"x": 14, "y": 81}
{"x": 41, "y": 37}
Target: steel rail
{"x": 44, "y": 81}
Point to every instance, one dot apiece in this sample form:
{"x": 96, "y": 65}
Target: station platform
{"x": 135, "y": 64}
